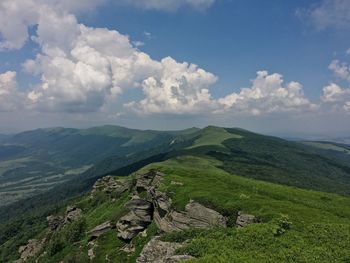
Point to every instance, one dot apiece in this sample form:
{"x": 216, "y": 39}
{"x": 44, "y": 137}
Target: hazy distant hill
{"x": 34, "y": 161}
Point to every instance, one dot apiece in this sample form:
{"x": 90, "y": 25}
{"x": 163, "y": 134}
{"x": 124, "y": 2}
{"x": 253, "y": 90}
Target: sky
{"x": 277, "y": 67}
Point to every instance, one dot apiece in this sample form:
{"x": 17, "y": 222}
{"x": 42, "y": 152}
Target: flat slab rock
{"x": 157, "y": 251}
{"x": 137, "y": 220}
{"x": 100, "y": 229}
{"x": 194, "y": 216}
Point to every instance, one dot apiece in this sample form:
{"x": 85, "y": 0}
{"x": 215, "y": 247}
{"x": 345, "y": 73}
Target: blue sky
{"x": 293, "y": 41}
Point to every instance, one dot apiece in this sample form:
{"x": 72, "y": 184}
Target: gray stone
{"x": 194, "y": 216}
{"x": 111, "y": 186}
{"x": 157, "y": 251}
{"x": 55, "y": 222}
{"x": 245, "y": 219}
{"x": 32, "y": 248}
{"x": 137, "y": 220}
{"x": 72, "y": 214}
{"x": 100, "y": 229}
{"x": 203, "y": 217}
{"x": 128, "y": 248}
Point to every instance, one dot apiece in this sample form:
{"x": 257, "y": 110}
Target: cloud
{"x": 337, "y": 97}
{"x": 268, "y": 94}
{"x": 334, "y": 93}
{"x": 9, "y": 94}
{"x": 17, "y": 16}
{"x": 82, "y": 69}
{"x": 169, "y": 5}
{"x": 177, "y": 88}
{"x": 329, "y": 14}
{"x": 341, "y": 70}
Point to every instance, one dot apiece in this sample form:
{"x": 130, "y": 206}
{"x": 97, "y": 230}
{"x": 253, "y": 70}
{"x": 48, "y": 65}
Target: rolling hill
{"x": 33, "y": 162}
{"x": 297, "y": 191}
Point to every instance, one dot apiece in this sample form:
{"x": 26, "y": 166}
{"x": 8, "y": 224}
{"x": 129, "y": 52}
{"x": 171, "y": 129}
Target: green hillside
{"x": 33, "y": 162}
{"x": 297, "y": 192}
{"x": 295, "y": 225}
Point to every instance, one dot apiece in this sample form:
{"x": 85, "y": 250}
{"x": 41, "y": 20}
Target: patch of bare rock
{"x": 157, "y": 251}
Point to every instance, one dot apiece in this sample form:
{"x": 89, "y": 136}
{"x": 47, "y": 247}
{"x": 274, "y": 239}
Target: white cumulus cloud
{"x": 341, "y": 70}
{"x": 177, "y": 88}
{"x": 268, "y": 94}
{"x": 9, "y": 94}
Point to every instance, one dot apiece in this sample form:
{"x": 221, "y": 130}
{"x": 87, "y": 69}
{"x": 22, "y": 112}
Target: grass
{"x": 320, "y": 229}
{"x": 213, "y": 136}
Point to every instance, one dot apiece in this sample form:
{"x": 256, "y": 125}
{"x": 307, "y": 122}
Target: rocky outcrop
{"x": 159, "y": 207}
{"x": 99, "y": 230}
{"x": 148, "y": 180}
{"x": 32, "y": 248}
{"x": 72, "y": 214}
{"x": 110, "y": 185}
{"x": 245, "y": 219}
{"x": 194, "y": 216}
{"x": 55, "y": 222}
{"x": 137, "y": 220}
{"x": 157, "y": 251}
{"x": 128, "y": 248}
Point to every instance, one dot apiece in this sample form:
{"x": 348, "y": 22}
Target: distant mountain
{"x": 34, "y": 161}
{"x": 4, "y": 137}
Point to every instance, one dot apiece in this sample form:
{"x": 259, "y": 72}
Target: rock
{"x": 137, "y": 220}
{"x": 194, "y": 216}
{"x": 128, "y": 248}
{"x": 144, "y": 182}
{"x": 245, "y": 219}
{"x": 32, "y": 248}
{"x": 203, "y": 217}
{"x": 72, "y": 214}
{"x": 91, "y": 252}
{"x": 99, "y": 230}
{"x": 157, "y": 251}
{"x": 111, "y": 185}
{"x": 54, "y": 222}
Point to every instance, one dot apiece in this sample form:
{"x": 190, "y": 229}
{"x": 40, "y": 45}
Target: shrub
{"x": 75, "y": 231}
{"x": 283, "y": 224}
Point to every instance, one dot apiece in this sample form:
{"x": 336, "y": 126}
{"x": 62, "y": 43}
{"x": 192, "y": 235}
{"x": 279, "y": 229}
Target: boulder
{"x": 32, "y": 248}
{"x": 54, "y": 222}
{"x": 110, "y": 185}
{"x": 137, "y": 220}
{"x": 245, "y": 219}
{"x": 72, "y": 214}
{"x": 128, "y": 248}
{"x": 157, "y": 251}
{"x": 203, "y": 217}
{"x": 194, "y": 216}
{"x": 99, "y": 230}
{"x": 146, "y": 181}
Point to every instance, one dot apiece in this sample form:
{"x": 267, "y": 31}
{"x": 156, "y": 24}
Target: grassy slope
{"x": 284, "y": 162}
{"x": 213, "y": 136}
{"x": 320, "y": 229}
